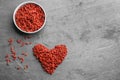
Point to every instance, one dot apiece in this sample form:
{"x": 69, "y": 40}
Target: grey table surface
{"x": 89, "y": 28}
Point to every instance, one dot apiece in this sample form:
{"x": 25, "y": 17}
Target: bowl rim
{"x": 16, "y": 9}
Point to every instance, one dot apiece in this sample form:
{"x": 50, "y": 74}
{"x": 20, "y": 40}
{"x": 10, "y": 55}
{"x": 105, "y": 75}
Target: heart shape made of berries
{"x": 50, "y": 58}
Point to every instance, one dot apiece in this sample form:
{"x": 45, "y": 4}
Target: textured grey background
{"x": 89, "y": 28}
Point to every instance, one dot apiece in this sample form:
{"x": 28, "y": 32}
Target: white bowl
{"x": 17, "y": 10}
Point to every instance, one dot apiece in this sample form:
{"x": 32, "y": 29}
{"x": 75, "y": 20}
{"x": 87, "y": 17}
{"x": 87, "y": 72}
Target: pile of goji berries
{"x": 30, "y": 17}
{"x": 50, "y": 58}
{"x": 13, "y": 56}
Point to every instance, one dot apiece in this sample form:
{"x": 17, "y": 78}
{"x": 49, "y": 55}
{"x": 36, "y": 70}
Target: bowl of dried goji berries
{"x": 29, "y": 17}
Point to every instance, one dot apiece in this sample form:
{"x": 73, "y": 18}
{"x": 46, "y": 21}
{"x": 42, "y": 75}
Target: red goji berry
{"x": 19, "y": 41}
{"x": 28, "y": 43}
{"x": 25, "y": 67}
{"x": 21, "y": 59}
{"x": 12, "y": 48}
{"x": 25, "y": 53}
{"x": 27, "y": 37}
{"x": 22, "y": 44}
{"x": 18, "y": 67}
{"x": 7, "y": 56}
{"x": 8, "y": 61}
{"x": 10, "y": 40}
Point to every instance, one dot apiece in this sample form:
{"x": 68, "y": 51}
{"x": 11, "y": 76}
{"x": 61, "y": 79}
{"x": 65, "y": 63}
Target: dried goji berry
{"x": 10, "y": 41}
